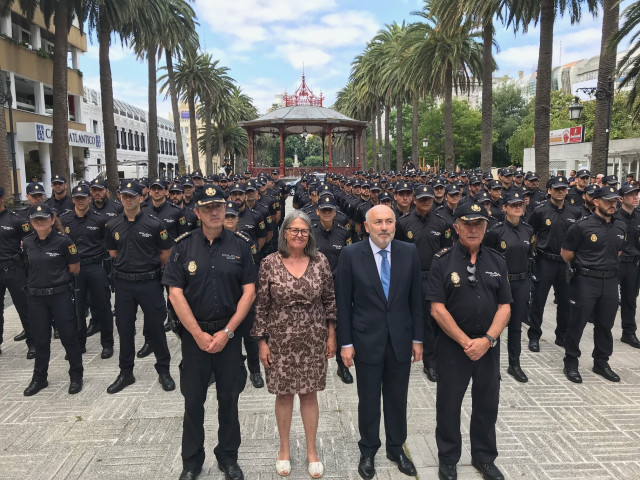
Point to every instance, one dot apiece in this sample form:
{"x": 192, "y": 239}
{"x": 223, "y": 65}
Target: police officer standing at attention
{"x": 35, "y": 196}
{"x": 12, "y": 273}
{"x": 514, "y": 239}
{"x": 470, "y": 296}
{"x": 52, "y": 258}
{"x": 60, "y": 201}
{"x": 101, "y": 202}
{"x": 164, "y": 210}
{"x": 593, "y": 246}
{"x": 575, "y": 193}
{"x": 87, "y": 229}
{"x": 211, "y": 278}
{"x": 140, "y": 246}
{"x": 628, "y": 273}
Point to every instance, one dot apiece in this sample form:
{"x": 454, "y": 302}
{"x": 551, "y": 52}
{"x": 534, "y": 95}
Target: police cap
{"x": 606, "y": 193}
{"x": 81, "y": 191}
{"x": 35, "y": 189}
{"x": 470, "y": 211}
{"x": 41, "y": 210}
{"x": 423, "y": 191}
{"x": 212, "y": 194}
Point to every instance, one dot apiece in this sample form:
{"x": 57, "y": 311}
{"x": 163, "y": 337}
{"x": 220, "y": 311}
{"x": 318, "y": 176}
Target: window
{"x": 95, "y": 126}
{"x": 161, "y": 147}
{"x": 137, "y": 139}
{"x": 130, "y": 140}
{"x": 143, "y": 147}
{"x": 174, "y": 148}
{"x": 117, "y": 138}
{"x": 123, "y": 138}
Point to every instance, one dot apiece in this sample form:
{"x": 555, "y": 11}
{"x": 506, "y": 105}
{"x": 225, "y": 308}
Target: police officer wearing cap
{"x": 35, "y": 196}
{"x": 470, "y": 296}
{"x": 140, "y": 246}
{"x": 577, "y": 191}
{"x": 484, "y": 200}
{"x": 13, "y": 277}
{"x": 52, "y": 258}
{"x": 430, "y": 232}
{"x": 101, "y": 201}
{"x": 588, "y": 206}
{"x": 331, "y": 237}
{"x": 60, "y": 201}
{"x": 550, "y": 222}
{"x": 253, "y": 202}
{"x": 475, "y": 187}
{"x": 198, "y": 183}
{"x": 403, "y": 196}
{"x": 593, "y": 246}
{"x": 87, "y": 230}
{"x": 514, "y": 240}
{"x": 211, "y": 278}
{"x": 249, "y": 221}
{"x": 452, "y": 199}
{"x": 495, "y": 194}
{"x": 176, "y": 196}
{"x": 628, "y": 273}
{"x": 159, "y": 207}
{"x": 532, "y": 181}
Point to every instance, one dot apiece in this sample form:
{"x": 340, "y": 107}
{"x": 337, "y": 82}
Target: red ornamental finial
{"x": 303, "y": 96}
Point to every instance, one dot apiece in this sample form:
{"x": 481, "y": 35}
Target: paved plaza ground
{"x": 548, "y": 428}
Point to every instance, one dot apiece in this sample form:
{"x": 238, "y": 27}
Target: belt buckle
{"x": 49, "y": 291}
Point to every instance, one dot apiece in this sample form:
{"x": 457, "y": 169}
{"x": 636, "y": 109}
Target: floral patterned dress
{"x": 293, "y": 314}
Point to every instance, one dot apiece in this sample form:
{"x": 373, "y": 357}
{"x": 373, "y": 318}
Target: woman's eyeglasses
{"x": 472, "y": 275}
{"x": 297, "y": 231}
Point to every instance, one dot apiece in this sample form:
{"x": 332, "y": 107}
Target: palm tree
{"x": 629, "y": 65}
{"x": 447, "y": 57}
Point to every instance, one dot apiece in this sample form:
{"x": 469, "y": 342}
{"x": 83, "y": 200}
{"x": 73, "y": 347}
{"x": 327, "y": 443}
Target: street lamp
{"x": 602, "y": 93}
{"x": 575, "y": 109}
{"x": 425, "y": 142}
{"x": 8, "y": 98}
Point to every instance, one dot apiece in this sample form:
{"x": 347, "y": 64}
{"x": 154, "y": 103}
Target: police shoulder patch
{"x": 25, "y": 227}
{"x": 182, "y": 237}
{"x": 72, "y": 249}
{"x": 442, "y": 252}
{"x": 164, "y": 235}
{"x": 183, "y": 220}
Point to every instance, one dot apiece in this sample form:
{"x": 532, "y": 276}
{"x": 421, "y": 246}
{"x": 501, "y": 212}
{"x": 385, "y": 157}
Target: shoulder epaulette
{"x": 183, "y": 236}
{"x": 244, "y": 237}
{"x": 340, "y": 227}
{"x": 442, "y": 252}
{"x": 404, "y": 215}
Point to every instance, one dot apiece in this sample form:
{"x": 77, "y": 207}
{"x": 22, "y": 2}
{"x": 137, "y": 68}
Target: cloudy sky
{"x": 265, "y": 44}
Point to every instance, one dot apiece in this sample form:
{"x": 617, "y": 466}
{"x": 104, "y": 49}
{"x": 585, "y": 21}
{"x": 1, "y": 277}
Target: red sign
{"x": 566, "y": 135}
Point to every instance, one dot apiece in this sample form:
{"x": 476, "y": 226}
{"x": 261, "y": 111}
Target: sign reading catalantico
{"x": 39, "y": 132}
{"x": 566, "y": 135}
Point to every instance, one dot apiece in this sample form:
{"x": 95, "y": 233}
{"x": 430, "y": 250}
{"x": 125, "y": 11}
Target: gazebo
{"x": 304, "y": 115}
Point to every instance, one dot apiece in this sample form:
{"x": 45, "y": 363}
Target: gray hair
{"x": 310, "y": 249}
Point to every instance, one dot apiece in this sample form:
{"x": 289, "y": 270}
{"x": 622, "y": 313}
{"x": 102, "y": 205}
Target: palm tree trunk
{"x": 449, "y": 160}
{"x": 195, "y": 157}
{"x": 415, "y": 121}
{"x": 399, "y": 149}
{"x": 60, "y": 140}
{"x": 106, "y": 87}
{"x": 153, "y": 113}
{"x": 207, "y": 138}
{"x": 486, "y": 157}
{"x": 374, "y": 150}
{"x": 543, "y": 90}
{"x": 221, "y": 144}
{"x": 5, "y": 160}
{"x": 182, "y": 164}
{"x": 387, "y": 143}
{"x": 606, "y": 70}
{"x": 380, "y": 145}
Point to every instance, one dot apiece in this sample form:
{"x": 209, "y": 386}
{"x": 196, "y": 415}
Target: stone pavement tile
{"x": 575, "y": 471}
{"x": 621, "y": 470}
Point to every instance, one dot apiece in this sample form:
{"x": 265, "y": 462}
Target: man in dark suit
{"x": 380, "y": 328}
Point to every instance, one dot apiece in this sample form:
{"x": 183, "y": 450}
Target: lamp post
{"x": 602, "y": 93}
{"x": 425, "y": 144}
{"x": 379, "y": 160}
{"x": 8, "y": 99}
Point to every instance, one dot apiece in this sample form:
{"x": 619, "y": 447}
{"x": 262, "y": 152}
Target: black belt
{"x": 214, "y": 326}
{"x": 628, "y": 259}
{"x": 92, "y": 260}
{"x": 137, "y": 277}
{"x": 45, "y": 292}
{"x": 597, "y": 273}
{"x": 516, "y": 276}
{"x": 551, "y": 256}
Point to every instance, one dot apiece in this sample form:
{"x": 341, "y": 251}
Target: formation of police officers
{"x": 584, "y": 240}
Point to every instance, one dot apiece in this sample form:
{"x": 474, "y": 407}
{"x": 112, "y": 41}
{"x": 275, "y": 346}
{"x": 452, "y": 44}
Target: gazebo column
{"x": 322, "y": 136}
{"x": 281, "y": 130}
{"x": 249, "y": 151}
{"x": 330, "y": 156}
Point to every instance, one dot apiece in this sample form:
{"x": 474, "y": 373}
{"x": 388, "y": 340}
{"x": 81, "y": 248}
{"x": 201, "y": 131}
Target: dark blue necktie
{"x": 385, "y": 273}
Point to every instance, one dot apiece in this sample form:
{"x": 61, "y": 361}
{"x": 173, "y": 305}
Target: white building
{"x": 132, "y": 137}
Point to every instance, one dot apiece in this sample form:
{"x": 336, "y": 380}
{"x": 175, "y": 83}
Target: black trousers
{"x": 231, "y": 376}
{"x": 59, "y": 309}
{"x": 595, "y": 298}
{"x": 430, "y": 333}
{"x": 520, "y": 291}
{"x": 548, "y": 273}
{"x": 145, "y": 330}
{"x": 455, "y": 370}
{"x": 14, "y": 279}
{"x": 628, "y": 277}
{"x": 93, "y": 281}
{"x": 148, "y": 294}
{"x": 250, "y": 343}
{"x": 392, "y": 377}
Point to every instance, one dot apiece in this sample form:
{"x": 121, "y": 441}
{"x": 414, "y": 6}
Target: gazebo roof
{"x": 298, "y": 118}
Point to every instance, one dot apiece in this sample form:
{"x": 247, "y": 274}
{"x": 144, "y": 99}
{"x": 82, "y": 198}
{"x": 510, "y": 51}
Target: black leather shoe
{"x": 121, "y": 382}
{"x": 75, "y": 386}
{"x": 189, "y": 474}
{"x": 31, "y": 353}
{"x": 345, "y": 375}
{"x": 92, "y": 329}
{"x": 19, "y": 337}
{"x": 35, "y": 386}
{"x": 489, "y": 471}
{"x": 572, "y": 374}
{"x": 231, "y": 472}
{"x": 256, "y": 380}
{"x": 167, "y": 327}
{"x": 607, "y": 373}
{"x": 145, "y": 351}
{"x": 366, "y": 468}
{"x": 447, "y": 472}
{"x": 431, "y": 374}
{"x": 534, "y": 345}
{"x": 56, "y": 335}
{"x": 404, "y": 464}
{"x": 559, "y": 342}
{"x": 630, "y": 340}
{"x": 83, "y": 350}
{"x": 516, "y": 372}
{"x": 107, "y": 352}
{"x": 166, "y": 381}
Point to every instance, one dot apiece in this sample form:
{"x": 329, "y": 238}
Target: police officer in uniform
{"x": 430, "y": 232}
{"x": 593, "y": 246}
{"x": 514, "y": 239}
{"x": 403, "y": 197}
{"x": 59, "y": 201}
{"x": 550, "y": 222}
{"x": 35, "y": 196}
{"x": 470, "y": 296}
{"x": 140, "y": 246}
{"x": 87, "y": 229}
{"x": 52, "y": 258}
{"x": 628, "y": 273}
{"x": 211, "y": 278}
{"x": 101, "y": 203}
{"x": 162, "y": 209}
{"x": 575, "y": 193}
{"x": 13, "y": 276}
{"x": 176, "y": 196}
{"x": 531, "y": 181}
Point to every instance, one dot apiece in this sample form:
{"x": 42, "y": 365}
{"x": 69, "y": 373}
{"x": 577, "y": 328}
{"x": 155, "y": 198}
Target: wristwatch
{"x": 230, "y": 333}
{"x": 491, "y": 339}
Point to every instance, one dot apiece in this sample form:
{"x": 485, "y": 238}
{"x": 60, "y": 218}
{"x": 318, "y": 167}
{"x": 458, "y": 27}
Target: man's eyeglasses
{"x": 472, "y": 275}
{"x": 297, "y": 231}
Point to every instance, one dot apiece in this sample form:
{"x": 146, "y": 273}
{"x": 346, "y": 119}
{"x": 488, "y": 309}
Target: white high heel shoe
{"x": 283, "y": 467}
{"x": 316, "y": 469}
